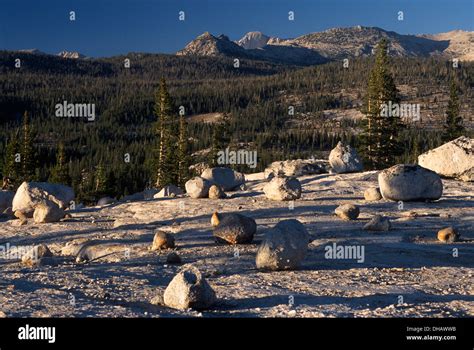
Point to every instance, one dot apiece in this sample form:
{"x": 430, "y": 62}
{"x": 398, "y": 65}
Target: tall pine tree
{"x": 27, "y": 151}
{"x": 183, "y": 157}
{"x": 166, "y": 172}
{"x": 12, "y": 164}
{"x": 453, "y": 127}
{"x": 380, "y": 140}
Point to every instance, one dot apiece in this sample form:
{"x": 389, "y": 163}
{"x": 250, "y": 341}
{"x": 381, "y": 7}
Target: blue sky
{"x": 110, "y": 27}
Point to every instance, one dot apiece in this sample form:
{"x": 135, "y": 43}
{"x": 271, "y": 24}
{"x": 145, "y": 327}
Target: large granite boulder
{"x": 454, "y": 159}
{"x": 344, "y": 159}
{"x": 297, "y": 167}
{"x": 404, "y": 182}
{"x": 282, "y": 188}
{"x": 30, "y": 194}
{"x": 225, "y": 178}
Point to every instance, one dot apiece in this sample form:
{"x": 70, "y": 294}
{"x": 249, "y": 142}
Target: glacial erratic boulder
{"x": 189, "y": 290}
{"x": 454, "y": 159}
{"x": 232, "y": 228}
{"x": 198, "y": 187}
{"x": 225, "y": 178}
{"x": 372, "y": 194}
{"x": 407, "y": 182}
{"x": 297, "y": 167}
{"x": 282, "y": 188}
{"x": 216, "y": 192}
{"x": 344, "y": 159}
{"x": 378, "y": 223}
{"x": 30, "y": 194}
{"x": 106, "y": 201}
{"x": 284, "y": 246}
{"x": 163, "y": 240}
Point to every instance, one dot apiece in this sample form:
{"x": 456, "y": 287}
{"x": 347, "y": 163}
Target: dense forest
{"x": 256, "y": 96}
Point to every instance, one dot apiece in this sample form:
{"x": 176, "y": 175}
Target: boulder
{"x": 198, "y": 187}
{"x": 344, "y": 159}
{"x": 169, "y": 191}
{"x": 162, "y": 240}
{"x": 448, "y": 235}
{"x": 215, "y": 192}
{"x": 347, "y": 211}
{"x": 30, "y": 194}
{"x": 284, "y": 246}
{"x": 6, "y": 199}
{"x": 105, "y": 201}
{"x": 297, "y": 167}
{"x": 372, "y": 194}
{"x": 378, "y": 223}
{"x": 233, "y": 228}
{"x": 47, "y": 212}
{"x": 226, "y": 178}
{"x": 404, "y": 182}
{"x": 282, "y": 188}
{"x": 454, "y": 159}
{"x": 189, "y": 290}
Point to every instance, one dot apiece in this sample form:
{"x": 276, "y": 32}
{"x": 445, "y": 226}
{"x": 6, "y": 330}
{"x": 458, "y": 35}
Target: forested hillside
{"x": 257, "y": 95}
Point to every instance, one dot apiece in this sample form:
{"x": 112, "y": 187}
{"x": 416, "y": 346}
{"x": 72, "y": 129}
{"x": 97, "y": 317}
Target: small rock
{"x": 347, "y": 211}
{"x": 47, "y": 212}
{"x": 372, "y": 194}
{"x": 378, "y": 223}
{"x": 189, "y": 290}
{"x": 448, "y": 235}
{"x": 173, "y": 258}
{"x": 21, "y": 217}
{"x": 162, "y": 240}
{"x": 34, "y": 256}
{"x": 169, "y": 191}
{"x": 215, "y": 192}
{"x": 105, "y": 201}
{"x": 157, "y": 300}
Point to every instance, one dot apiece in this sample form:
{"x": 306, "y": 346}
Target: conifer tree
{"x": 183, "y": 157}
{"x": 27, "y": 151}
{"x": 221, "y": 138}
{"x": 453, "y": 127}
{"x": 100, "y": 181}
{"x": 380, "y": 140}
{"x": 12, "y": 163}
{"x": 166, "y": 129}
{"x": 60, "y": 172}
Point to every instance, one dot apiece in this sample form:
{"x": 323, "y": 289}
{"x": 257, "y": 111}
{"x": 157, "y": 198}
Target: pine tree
{"x": 60, "y": 173}
{"x": 100, "y": 181}
{"x": 183, "y": 157}
{"x": 27, "y": 151}
{"x": 221, "y": 138}
{"x": 454, "y": 122}
{"x": 380, "y": 141}
{"x": 166, "y": 129}
{"x": 12, "y": 163}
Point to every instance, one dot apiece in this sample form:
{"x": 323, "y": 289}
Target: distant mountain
{"x": 461, "y": 43}
{"x": 210, "y": 45}
{"x": 71, "y": 54}
{"x": 32, "y": 51}
{"x": 253, "y": 40}
{"x": 333, "y": 44}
